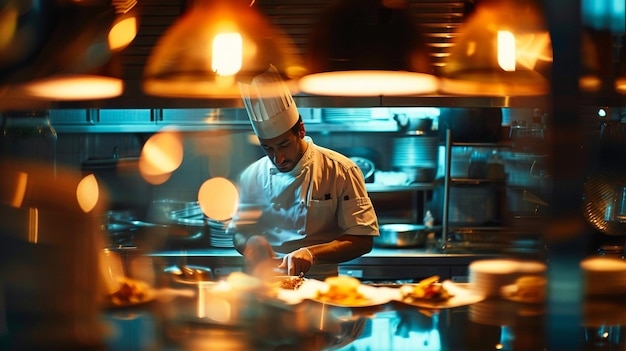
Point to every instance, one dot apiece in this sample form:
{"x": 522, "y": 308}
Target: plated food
{"x": 529, "y": 289}
{"x": 346, "y": 291}
{"x": 289, "y": 282}
{"x": 342, "y": 290}
{"x": 429, "y": 289}
{"x": 131, "y": 292}
{"x": 431, "y": 293}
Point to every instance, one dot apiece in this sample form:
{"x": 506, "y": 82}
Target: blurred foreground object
{"x": 49, "y": 278}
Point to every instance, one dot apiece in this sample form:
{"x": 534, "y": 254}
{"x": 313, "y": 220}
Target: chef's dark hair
{"x": 296, "y": 127}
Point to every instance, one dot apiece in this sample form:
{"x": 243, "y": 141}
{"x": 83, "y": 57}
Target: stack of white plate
{"x": 346, "y": 115}
{"x": 415, "y": 151}
{"x": 493, "y": 312}
{"x": 488, "y": 276}
{"x": 219, "y": 237}
{"x": 604, "y": 275}
{"x": 503, "y": 312}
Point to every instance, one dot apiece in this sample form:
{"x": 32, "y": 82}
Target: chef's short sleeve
{"x": 355, "y": 209}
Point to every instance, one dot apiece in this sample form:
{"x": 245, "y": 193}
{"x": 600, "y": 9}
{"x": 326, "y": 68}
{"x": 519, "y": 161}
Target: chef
{"x": 312, "y": 209}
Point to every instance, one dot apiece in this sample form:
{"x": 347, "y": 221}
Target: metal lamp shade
{"x": 364, "y": 48}
{"x": 481, "y": 62}
{"x": 180, "y": 65}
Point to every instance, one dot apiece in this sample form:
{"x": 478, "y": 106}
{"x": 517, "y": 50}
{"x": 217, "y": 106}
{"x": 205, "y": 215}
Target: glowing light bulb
{"x": 227, "y": 51}
{"x": 506, "y": 50}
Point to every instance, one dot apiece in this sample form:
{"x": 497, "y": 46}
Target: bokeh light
{"x": 88, "y": 193}
{"x": 161, "y": 155}
{"x": 218, "y": 198}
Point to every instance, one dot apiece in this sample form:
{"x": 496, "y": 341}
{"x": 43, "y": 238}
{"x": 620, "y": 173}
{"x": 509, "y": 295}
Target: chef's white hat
{"x": 271, "y": 108}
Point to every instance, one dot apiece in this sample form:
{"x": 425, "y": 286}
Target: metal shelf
{"x": 450, "y": 181}
{"x": 381, "y": 188}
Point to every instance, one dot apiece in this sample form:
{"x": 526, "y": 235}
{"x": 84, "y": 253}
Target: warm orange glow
{"x": 8, "y": 26}
{"x": 111, "y": 270}
{"x": 591, "y": 83}
{"x": 620, "y": 85}
{"x": 368, "y": 83}
{"x": 214, "y": 301}
{"x": 218, "y": 198}
{"x": 152, "y": 174}
{"x": 33, "y": 225}
{"x": 75, "y": 87}
{"x": 19, "y": 190}
{"x": 186, "y": 63}
{"x": 162, "y": 154}
{"x": 122, "y": 33}
{"x": 227, "y": 54}
{"x": 87, "y": 193}
{"x": 506, "y": 50}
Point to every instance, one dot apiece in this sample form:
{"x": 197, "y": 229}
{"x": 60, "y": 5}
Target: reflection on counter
{"x": 489, "y": 325}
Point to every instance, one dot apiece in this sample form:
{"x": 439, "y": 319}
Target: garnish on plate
{"x": 290, "y": 282}
{"x": 429, "y": 289}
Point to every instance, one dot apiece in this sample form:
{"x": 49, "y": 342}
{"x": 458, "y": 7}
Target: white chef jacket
{"x": 322, "y": 198}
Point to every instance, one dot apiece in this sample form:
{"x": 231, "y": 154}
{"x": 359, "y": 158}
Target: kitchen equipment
{"x": 475, "y": 206}
{"x": 422, "y": 125}
{"x": 180, "y": 228}
{"x": 526, "y": 170}
{"x": 471, "y": 125}
{"x": 188, "y": 274}
{"x": 28, "y": 135}
{"x": 417, "y": 155}
{"x": 367, "y": 167}
{"x": 346, "y": 115}
{"x": 419, "y": 174}
{"x": 603, "y": 204}
{"x": 401, "y": 235}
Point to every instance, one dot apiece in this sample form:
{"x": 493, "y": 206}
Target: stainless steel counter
{"x": 381, "y": 264}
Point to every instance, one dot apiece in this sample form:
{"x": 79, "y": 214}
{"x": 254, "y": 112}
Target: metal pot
{"x": 401, "y": 235}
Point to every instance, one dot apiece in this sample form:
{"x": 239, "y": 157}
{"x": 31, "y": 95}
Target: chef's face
{"x": 286, "y": 149}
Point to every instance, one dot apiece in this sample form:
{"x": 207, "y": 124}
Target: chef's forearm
{"x": 343, "y": 249}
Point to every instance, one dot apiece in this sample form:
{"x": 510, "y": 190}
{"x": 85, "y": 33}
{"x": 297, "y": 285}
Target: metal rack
{"x": 476, "y": 238}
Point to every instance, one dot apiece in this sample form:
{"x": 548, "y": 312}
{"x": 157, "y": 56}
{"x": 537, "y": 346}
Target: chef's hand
{"x": 296, "y": 262}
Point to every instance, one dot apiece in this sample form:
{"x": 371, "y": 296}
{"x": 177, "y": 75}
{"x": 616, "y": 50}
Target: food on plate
{"x": 289, "y": 282}
{"x": 428, "y": 289}
{"x": 528, "y": 288}
{"x": 342, "y": 290}
{"x": 131, "y": 292}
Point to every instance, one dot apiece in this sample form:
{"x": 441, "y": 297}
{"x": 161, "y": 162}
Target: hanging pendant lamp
{"x": 368, "y": 48}
{"x": 214, "y": 45}
{"x": 503, "y": 49}
{"x": 77, "y": 59}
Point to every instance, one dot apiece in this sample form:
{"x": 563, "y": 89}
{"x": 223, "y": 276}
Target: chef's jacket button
{"x": 275, "y": 206}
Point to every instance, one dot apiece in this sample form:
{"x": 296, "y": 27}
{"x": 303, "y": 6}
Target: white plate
{"x": 310, "y": 289}
{"x": 461, "y": 296}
